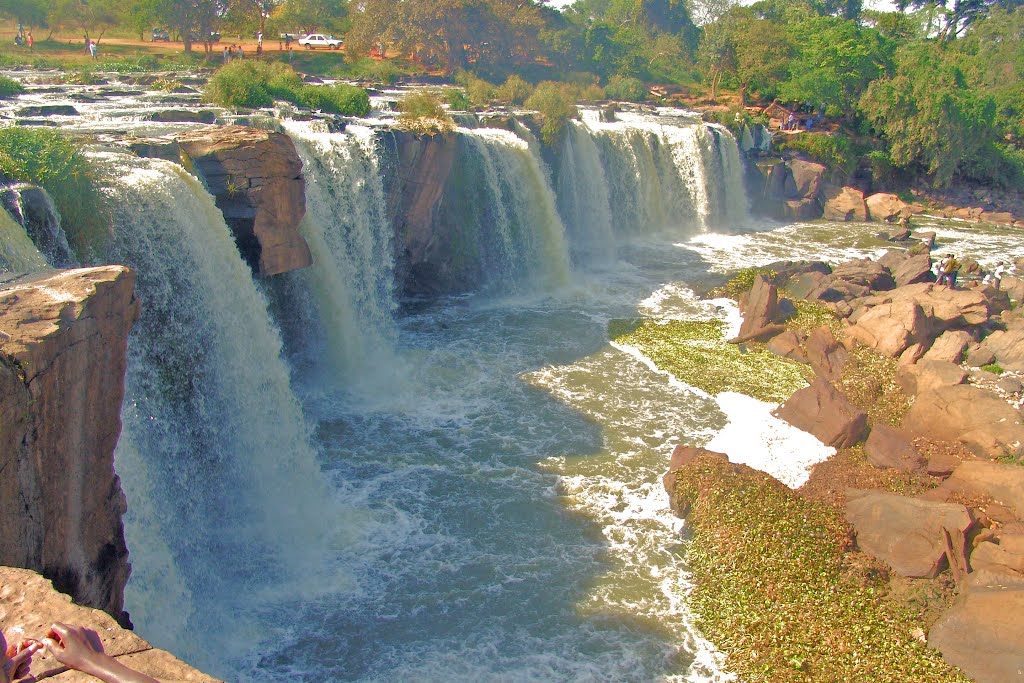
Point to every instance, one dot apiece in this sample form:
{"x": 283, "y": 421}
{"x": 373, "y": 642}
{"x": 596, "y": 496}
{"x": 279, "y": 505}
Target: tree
{"x": 194, "y": 20}
{"x": 26, "y": 12}
{"x": 834, "y": 63}
{"x": 310, "y": 15}
{"x": 756, "y": 51}
{"x": 959, "y": 14}
{"x": 992, "y": 59}
{"x": 928, "y": 114}
{"x": 91, "y": 17}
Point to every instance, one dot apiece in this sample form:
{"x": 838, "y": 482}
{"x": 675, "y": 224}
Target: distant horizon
{"x": 881, "y": 5}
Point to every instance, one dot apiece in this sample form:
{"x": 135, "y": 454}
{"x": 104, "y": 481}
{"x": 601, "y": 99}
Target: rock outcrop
{"x": 823, "y": 411}
{"x": 980, "y": 420}
{"x": 63, "y": 345}
{"x": 256, "y": 179}
{"x": 29, "y": 605}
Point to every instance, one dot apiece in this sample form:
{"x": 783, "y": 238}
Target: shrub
{"x": 994, "y": 368}
{"x": 384, "y": 72}
{"x": 741, "y": 282}
{"x": 51, "y": 160}
{"x": 592, "y": 93}
{"x": 556, "y": 103}
{"x": 82, "y": 77}
{"x": 339, "y": 98}
{"x": 834, "y": 150}
{"x": 423, "y": 114}
{"x": 457, "y": 99}
{"x": 10, "y": 87}
{"x": 626, "y": 88}
{"x": 257, "y": 84}
{"x": 515, "y": 90}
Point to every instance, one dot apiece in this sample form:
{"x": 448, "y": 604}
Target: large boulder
{"x": 63, "y": 355}
{"x": 1008, "y": 348}
{"x": 804, "y": 209}
{"x": 1000, "y": 554}
{"x": 29, "y": 605}
{"x": 979, "y": 419}
{"x": 888, "y": 447}
{"x": 883, "y": 206}
{"x": 889, "y": 328}
{"x": 256, "y": 179}
{"x": 823, "y": 411}
{"x": 808, "y": 178}
{"x": 826, "y": 356}
{"x": 908, "y": 534}
{"x": 983, "y": 634}
{"x": 760, "y": 306}
{"x": 1013, "y": 286}
{"x": 916, "y": 268}
{"x": 949, "y": 347}
{"x": 928, "y": 375}
{"x": 844, "y": 204}
{"x": 865, "y": 273}
{"x": 1003, "y": 483}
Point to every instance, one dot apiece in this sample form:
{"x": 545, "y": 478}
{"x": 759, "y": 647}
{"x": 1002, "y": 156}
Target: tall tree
{"x": 26, "y": 12}
{"x": 91, "y": 17}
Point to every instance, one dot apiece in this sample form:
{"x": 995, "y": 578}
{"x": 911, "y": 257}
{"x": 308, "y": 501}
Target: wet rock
{"x": 48, "y": 110}
{"x": 808, "y": 178}
{"x": 805, "y": 209}
{"x": 906, "y": 533}
{"x": 682, "y": 456}
{"x": 182, "y": 116}
{"x": 823, "y": 411}
{"x": 32, "y": 207}
{"x": 1001, "y": 217}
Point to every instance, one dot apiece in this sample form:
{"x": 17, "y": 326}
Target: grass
{"x": 50, "y": 159}
{"x": 777, "y": 593}
{"x": 696, "y": 352}
{"x": 10, "y": 87}
{"x": 994, "y": 368}
{"x": 423, "y": 114}
{"x": 740, "y": 283}
{"x": 869, "y": 382}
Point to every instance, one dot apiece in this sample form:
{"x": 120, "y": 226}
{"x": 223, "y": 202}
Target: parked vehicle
{"x": 161, "y": 34}
{"x": 315, "y": 40}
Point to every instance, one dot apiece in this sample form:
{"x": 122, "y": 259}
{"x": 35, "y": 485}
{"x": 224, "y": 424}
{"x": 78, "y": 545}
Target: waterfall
{"x": 654, "y": 173}
{"x": 352, "y": 280}
{"x": 583, "y": 200}
{"x": 33, "y": 208}
{"x": 17, "y": 252}
{"x": 228, "y": 508}
{"x": 506, "y": 212}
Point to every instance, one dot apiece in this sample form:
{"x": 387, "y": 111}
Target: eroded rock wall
{"x": 63, "y": 346}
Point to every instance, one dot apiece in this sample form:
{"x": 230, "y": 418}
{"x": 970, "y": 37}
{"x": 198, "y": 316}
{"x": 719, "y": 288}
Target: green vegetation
{"x": 740, "y": 283}
{"x": 869, "y": 381}
{"x": 10, "y": 87}
{"x": 556, "y": 103}
{"x": 810, "y": 315}
{"x": 626, "y": 88}
{"x": 777, "y": 594}
{"x": 695, "y": 352}
{"x": 835, "y": 151}
{"x": 423, "y": 113}
{"x": 994, "y": 368}
{"x": 50, "y": 159}
{"x": 256, "y": 84}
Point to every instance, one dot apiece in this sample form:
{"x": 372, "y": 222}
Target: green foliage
{"x": 776, "y": 595}
{"x": 592, "y": 93}
{"x": 82, "y": 77}
{"x": 556, "y": 103}
{"x": 994, "y": 368}
{"x": 869, "y": 382}
{"x": 695, "y": 352}
{"x": 834, "y": 150}
{"x": 626, "y": 89}
{"x": 929, "y": 116}
{"x": 479, "y": 92}
{"x": 385, "y": 72}
{"x": 10, "y": 87}
{"x": 52, "y": 160}
{"x": 423, "y": 113}
{"x": 740, "y": 283}
{"x": 834, "y": 63}
{"x": 254, "y": 84}
{"x": 457, "y": 99}
{"x": 515, "y": 90}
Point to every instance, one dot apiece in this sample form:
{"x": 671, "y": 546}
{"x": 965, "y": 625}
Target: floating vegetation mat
{"x": 696, "y": 352}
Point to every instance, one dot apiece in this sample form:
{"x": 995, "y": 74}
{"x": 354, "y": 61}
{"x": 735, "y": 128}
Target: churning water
{"x": 324, "y": 487}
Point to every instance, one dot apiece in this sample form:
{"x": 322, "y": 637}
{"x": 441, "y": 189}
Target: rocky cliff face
{"x": 29, "y": 605}
{"x": 255, "y": 176}
{"x": 63, "y": 344}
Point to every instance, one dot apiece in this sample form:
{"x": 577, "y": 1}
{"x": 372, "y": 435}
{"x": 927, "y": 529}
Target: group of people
{"x": 948, "y": 269}
{"x": 90, "y": 46}
{"x": 73, "y": 646}
{"x": 22, "y": 38}
{"x": 233, "y": 52}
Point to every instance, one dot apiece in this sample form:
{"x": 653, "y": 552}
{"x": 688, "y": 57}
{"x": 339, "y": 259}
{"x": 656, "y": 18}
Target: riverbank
{"x": 907, "y": 536}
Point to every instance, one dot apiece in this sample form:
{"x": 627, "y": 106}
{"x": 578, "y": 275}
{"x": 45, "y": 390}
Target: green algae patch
{"x": 696, "y": 352}
{"x": 810, "y": 315}
{"x": 869, "y": 381}
{"x": 741, "y": 282}
{"x": 777, "y": 592}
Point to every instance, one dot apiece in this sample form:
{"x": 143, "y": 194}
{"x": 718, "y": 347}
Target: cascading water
{"x": 17, "y": 252}
{"x": 352, "y": 279}
{"x": 676, "y": 176}
{"x": 228, "y": 511}
{"x": 505, "y": 213}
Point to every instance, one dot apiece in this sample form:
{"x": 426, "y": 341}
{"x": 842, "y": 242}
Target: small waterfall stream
{"x": 18, "y": 254}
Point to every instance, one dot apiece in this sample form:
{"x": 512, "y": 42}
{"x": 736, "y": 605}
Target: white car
{"x": 315, "y": 40}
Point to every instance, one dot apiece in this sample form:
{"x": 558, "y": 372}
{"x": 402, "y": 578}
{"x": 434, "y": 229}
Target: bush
{"x": 10, "y": 87}
{"x": 592, "y": 93}
{"x": 257, "y": 84}
{"x": 626, "y": 88}
{"x": 457, "y": 99}
{"x": 384, "y": 72}
{"x": 423, "y": 114}
{"x": 51, "y": 160}
{"x": 515, "y": 90}
{"x": 556, "y": 103}
{"x": 833, "y": 150}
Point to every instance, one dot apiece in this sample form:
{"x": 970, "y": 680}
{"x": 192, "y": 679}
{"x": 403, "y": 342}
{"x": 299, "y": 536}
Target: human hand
{"x": 75, "y": 646}
{"x": 17, "y": 658}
